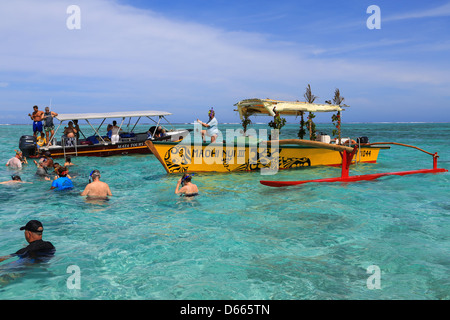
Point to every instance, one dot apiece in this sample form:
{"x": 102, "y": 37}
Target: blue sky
{"x": 186, "y": 56}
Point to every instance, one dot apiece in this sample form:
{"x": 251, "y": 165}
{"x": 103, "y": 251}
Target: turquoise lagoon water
{"x": 238, "y": 239}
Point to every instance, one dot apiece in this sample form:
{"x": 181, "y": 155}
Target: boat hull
{"x": 179, "y": 157}
{"x": 99, "y": 150}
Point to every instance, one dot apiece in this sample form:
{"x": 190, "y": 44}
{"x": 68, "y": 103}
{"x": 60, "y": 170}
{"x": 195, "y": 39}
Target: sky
{"x": 188, "y": 56}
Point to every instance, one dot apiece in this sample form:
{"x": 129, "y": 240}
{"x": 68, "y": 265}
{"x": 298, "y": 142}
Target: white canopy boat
{"x": 97, "y": 144}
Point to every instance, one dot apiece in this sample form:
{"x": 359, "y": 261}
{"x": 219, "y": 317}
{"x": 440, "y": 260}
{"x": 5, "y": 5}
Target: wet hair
{"x": 186, "y": 178}
{"x": 94, "y": 174}
{"x": 15, "y": 177}
{"x": 62, "y": 171}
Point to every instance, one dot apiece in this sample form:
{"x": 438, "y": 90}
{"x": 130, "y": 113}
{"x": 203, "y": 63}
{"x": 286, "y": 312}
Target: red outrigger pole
{"x": 345, "y": 177}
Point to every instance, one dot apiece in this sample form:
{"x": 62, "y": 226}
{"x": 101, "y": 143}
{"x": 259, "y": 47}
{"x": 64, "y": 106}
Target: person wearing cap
{"x": 96, "y": 188}
{"x": 63, "y": 182}
{"x": 212, "y": 126}
{"x": 188, "y": 189}
{"x": 38, "y": 250}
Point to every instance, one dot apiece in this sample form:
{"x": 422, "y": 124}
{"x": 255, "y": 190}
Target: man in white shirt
{"x": 15, "y": 162}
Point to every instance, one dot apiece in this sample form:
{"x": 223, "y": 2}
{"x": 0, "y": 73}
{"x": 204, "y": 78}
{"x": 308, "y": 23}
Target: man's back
{"x": 97, "y": 188}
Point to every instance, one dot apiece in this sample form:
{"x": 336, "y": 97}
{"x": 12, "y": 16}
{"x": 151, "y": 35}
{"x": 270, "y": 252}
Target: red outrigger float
{"x": 347, "y": 157}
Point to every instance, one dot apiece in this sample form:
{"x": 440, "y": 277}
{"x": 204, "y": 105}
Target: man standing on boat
{"x": 212, "y": 126}
{"x": 37, "y": 117}
{"x": 48, "y": 124}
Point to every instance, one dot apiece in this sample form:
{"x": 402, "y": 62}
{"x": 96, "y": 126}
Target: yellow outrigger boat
{"x": 249, "y": 154}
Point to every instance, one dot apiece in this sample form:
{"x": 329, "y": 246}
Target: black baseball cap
{"x": 33, "y": 226}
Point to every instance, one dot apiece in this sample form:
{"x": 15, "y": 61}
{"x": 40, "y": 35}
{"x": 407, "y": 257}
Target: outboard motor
{"x": 362, "y": 140}
{"x": 27, "y": 145}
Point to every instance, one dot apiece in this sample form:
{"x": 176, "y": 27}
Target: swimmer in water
{"x": 188, "y": 189}
{"x": 38, "y": 249}
{"x": 96, "y": 188}
{"x": 14, "y": 179}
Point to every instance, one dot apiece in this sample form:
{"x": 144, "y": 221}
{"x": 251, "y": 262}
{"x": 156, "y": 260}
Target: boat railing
{"x": 63, "y": 144}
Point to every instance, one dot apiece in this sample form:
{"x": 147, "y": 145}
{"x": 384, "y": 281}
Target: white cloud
{"x": 122, "y": 42}
{"x": 441, "y": 11}
{"x": 125, "y": 53}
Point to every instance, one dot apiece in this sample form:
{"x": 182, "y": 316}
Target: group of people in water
{"x": 96, "y": 188}
{"x": 39, "y": 250}
{"x": 46, "y": 167}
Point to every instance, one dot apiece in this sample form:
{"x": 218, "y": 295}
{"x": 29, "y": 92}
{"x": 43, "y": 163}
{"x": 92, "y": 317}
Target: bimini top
{"x": 268, "y": 107}
{"x": 123, "y": 114}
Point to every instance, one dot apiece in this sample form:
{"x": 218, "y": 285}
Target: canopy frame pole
{"x": 96, "y": 131}
{"x": 135, "y": 123}
{"x": 169, "y": 122}
{"x": 54, "y": 134}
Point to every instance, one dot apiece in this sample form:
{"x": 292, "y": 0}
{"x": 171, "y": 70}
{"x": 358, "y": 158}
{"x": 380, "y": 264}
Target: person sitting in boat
{"x": 160, "y": 132}
{"x": 70, "y": 134}
{"x": 188, "y": 189}
{"x": 212, "y": 126}
{"x": 41, "y": 141}
{"x": 108, "y": 131}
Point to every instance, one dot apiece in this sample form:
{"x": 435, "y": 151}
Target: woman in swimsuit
{"x": 188, "y": 189}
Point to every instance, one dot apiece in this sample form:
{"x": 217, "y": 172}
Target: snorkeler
{"x": 188, "y": 189}
{"x": 14, "y": 179}
{"x": 96, "y": 188}
{"x": 63, "y": 182}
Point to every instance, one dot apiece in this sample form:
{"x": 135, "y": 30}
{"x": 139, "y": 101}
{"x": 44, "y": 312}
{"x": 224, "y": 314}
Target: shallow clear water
{"x": 238, "y": 239}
